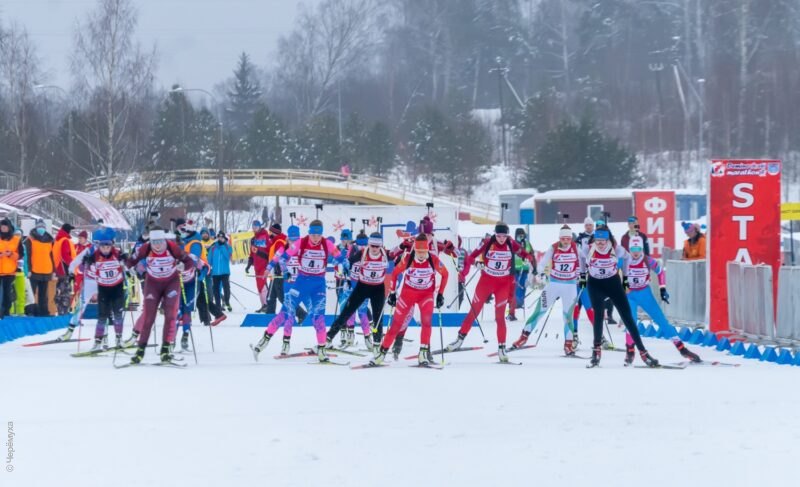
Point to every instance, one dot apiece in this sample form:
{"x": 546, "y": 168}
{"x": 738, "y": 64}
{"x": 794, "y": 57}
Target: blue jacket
{"x": 219, "y": 256}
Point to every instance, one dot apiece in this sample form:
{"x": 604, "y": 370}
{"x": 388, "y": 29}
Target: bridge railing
{"x": 359, "y": 182}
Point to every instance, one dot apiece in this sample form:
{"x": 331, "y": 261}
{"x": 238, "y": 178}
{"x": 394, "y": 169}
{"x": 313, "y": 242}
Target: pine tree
{"x": 205, "y": 134}
{"x": 318, "y": 144}
{"x": 378, "y": 149}
{"x": 172, "y": 138}
{"x": 353, "y": 144}
{"x": 265, "y": 144}
{"x": 578, "y": 156}
{"x": 244, "y": 95}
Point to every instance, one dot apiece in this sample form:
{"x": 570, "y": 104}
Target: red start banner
{"x": 656, "y": 213}
{"x": 744, "y": 202}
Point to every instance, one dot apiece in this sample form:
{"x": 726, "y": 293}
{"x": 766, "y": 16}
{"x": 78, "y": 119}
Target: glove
{"x": 391, "y": 300}
{"x": 582, "y": 281}
{"x": 664, "y": 295}
{"x": 180, "y": 266}
{"x": 439, "y": 300}
{"x": 625, "y": 284}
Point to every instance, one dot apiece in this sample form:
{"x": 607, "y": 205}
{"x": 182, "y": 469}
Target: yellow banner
{"x": 790, "y": 211}
{"x": 241, "y": 245}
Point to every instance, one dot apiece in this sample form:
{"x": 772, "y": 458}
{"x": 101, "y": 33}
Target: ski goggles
{"x": 315, "y": 230}
{"x": 601, "y": 234}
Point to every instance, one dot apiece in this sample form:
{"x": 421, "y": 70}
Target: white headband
{"x": 376, "y": 241}
{"x": 565, "y": 232}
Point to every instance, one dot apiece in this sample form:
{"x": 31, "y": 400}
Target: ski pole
{"x": 246, "y": 289}
{"x": 472, "y": 308}
{"x": 208, "y": 309}
{"x": 465, "y": 289}
{"x": 544, "y": 325}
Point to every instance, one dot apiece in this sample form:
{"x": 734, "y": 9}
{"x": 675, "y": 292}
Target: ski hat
{"x": 315, "y": 228}
{"x": 275, "y": 228}
{"x": 161, "y": 235}
{"x": 293, "y": 233}
{"x": 375, "y": 238}
{"x": 588, "y": 221}
{"x": 83, "y": 234}
{"x": 361, "y": 239}
{"x": 426, "y": 226}
{"x": 565, "y": 231}
{"x": 67, "y": 227}
{"x": 104, "y": 236}
{"x": 188, "y": 226}
{"x": 632, "y": 219}
{"x": 205, "y": 230}
{"x": 411, "y": 228}
{"x": 519, "y": 231}
{"x": 222, "y": 234}
{"x": 330, "y": 239}
{"x": 41, "y": 224}
{"x": 636, "y": 244}
{"x": 346, "y": 235}
{"x": 257, "y": 223}
{"x": 601, "y": 234}
{"x": 501, "y": 228}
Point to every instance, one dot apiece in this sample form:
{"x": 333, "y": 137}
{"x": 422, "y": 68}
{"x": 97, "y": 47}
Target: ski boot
{"x": 138, "y": 356}
{"x": 511, "y": 318}
{"x": 575, "y": 341}
{"x": 456, "y": 344}
{"x": 185, "y": 341}
{"x": 322, "y": 355}
{"x": 397, "y": 348}
{"x": 67, "y": 334}
{"x": 166, "y": 356}
{"x": 105, "y": 342}
{"x": 569, "y": 349}
{"x": 262, "y": 344}
{"x": 98, "y": 346}
{"x": 686, "y": 353}
{"x": 348, "y": 337}
{"x": 368, "y": 342}
{"x": 606, "y": 344}
{"x": 262, "y": 309}
{"x": 648, "y": 359}
{"x": 521, "y": 341}
{"x": 630, "y": 353}
{"x": 595, "y": 360}
{"x": 501, "y": 354}
{"x": 131, "y": 341}
{"x": 422, "y": 358}
{"x": 285, "y": 347}
{"x": 379, "y": 357}
{"x": 118, "y": 341}
{"x": 229, "y": 308}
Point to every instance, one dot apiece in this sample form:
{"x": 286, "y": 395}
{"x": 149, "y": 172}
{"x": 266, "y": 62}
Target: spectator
{"x": 220, "y": 255}
{"x": 277, "y": 241}
{"x": 694, "y": 248}
{"x": 41, "y": 267}
{"x": 10, "y": 250}
{"x": 63, "y": 255}
{"x": 517, "y": 294}
{"x": 633, "y": 231}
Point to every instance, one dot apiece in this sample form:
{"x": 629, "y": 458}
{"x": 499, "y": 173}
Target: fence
{"x": 751, "y": 309}
{"x": 788, "y": 321}
{"x": 686, "y": 281}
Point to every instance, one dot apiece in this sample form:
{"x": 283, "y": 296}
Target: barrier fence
{"x": 788, "y": 316}
{"x": 751, "y": 311}
{"x": 686, "y": 282}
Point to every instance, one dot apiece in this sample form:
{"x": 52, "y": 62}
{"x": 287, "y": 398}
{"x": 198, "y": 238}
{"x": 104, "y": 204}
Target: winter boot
{"x": 185, "y": 341}
{"x": 630, "y": 353}
{"x": 521, "y": 341}
{"x": 686, "y": 353}
{"x": 397, "y": 348}
{"x": 569, "y": 350}
{"x": 165, "y": 355}
{"x": 98, "y": 346}
{"x": 456, "y": 344}
{"x": 379, "y": 357}
{"x": 131, "y": 341}
{"x": 262, "y": 344}
{"x": 595, "y": 360}
{"x": 285, "y": 347}
{"x": 648, "y": 359}
{"x": 67, "y": 334}
{"x": 501, "y": 353}
{"x": 322, "y": 355}
{"x": 138, "y": 356}
{"x": 422, "y": 358}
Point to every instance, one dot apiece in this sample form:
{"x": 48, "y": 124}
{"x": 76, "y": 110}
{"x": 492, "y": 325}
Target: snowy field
{"x": 231, "y": 421}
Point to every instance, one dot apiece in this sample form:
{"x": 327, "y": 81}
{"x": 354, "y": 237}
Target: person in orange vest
{"x": 10, "y": 250}
{"x": 694, "y": 247}
{"x": 63, "y": 255}
{"x": 41, "y": 267}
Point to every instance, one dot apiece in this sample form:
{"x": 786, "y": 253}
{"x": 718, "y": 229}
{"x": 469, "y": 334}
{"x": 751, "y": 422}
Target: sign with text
{"x": 656, "y": 213}
{"x": 744, "y": 201}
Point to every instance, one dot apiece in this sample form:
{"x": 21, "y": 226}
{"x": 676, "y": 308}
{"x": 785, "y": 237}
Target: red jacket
{"x": 66, "y": 252}
{"x": 259, "y": 249}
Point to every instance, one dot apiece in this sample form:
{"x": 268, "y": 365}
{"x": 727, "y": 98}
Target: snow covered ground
{"x": 231, "y": 421}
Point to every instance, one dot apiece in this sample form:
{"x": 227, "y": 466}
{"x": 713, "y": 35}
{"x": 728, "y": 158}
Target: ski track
{"x": 231, "y": 421}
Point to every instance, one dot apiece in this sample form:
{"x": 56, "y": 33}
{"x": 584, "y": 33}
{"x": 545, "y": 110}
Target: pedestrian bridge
{"x": 323, "y": 185}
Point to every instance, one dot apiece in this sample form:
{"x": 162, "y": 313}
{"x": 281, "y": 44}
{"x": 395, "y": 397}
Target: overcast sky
{"x": 198, "y": 40}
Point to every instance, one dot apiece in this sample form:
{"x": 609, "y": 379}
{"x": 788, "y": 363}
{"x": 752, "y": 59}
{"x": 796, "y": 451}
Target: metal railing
{"x": 356, "y": 182}
{"x": 686, "y": 281}
{"x": 751, "y": 310}
{"x": 788, "y": 319}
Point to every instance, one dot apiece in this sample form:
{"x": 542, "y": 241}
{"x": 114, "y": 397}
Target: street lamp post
{"x": 220, "y": 159}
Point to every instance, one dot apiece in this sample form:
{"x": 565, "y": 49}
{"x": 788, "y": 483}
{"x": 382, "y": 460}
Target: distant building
{"x": 574, "y": 205}
{"x": 515, "y": 213}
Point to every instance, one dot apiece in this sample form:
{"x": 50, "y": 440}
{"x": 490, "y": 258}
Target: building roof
{"x": 515, "y": 192}
{"x": 585, "y": 194}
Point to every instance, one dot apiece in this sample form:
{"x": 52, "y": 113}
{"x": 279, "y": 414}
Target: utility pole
{"x": 501, "y": 71}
